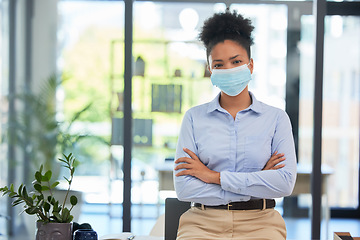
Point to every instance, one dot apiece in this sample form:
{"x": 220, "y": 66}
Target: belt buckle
{"x": 228, "y": 206}
{"x": 264, "y": 204}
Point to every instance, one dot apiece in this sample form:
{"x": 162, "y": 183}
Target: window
{"x": 3, "y": 107}
{"x": 340, "y": 144}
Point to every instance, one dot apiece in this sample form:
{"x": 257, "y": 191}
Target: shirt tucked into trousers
{"x": 223, "y": 224}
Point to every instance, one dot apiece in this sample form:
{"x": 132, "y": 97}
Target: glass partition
{"x": 340, "y": 145}
{"x": 87, "y": 31}
{"x": 3, "y": 108}
{"x": 340, "y": 130}
{"x": 341, "y": 116}
{"x": 169, "y": 70}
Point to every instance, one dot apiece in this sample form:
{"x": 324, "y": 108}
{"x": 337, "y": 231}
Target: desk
{"x": 303, "y": 186}
{"x": 166, "y": 181}
{"x": 123, "y": 236}
{"x": 303, "y": 180}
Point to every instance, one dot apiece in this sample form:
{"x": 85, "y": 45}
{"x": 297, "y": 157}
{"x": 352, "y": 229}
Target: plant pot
{"x": 54, "y": 231}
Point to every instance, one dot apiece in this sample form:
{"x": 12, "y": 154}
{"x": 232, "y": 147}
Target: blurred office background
{"x": 82, "y": 44}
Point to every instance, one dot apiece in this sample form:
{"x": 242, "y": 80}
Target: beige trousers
{"x": 223, "y": 224}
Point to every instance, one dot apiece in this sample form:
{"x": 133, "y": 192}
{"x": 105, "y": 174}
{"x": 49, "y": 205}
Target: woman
{"x": 230, "y": 157}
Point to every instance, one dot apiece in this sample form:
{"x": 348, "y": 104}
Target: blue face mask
{"x": 231, "y": 81}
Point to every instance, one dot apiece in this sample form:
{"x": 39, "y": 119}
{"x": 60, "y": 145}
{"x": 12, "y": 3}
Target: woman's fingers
{"x": 183, "y": 173}
{"x": 278, "y": 166}
{"x": 182, "y": 166}
{"x": 274, "y": 161}
{"x": 276, "y": 156}
{"x": 186, "y": 159}
{"x": 183, "y": 159}
{"x": 191, "y": 154}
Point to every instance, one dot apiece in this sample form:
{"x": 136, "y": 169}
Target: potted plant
{"x": 43, "y": 136}
{"x": 54, "y": 218}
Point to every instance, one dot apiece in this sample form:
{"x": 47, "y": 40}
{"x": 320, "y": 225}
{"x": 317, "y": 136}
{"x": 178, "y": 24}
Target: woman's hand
{"x": 274, "y": 160}
{"x": 194, "y": 167}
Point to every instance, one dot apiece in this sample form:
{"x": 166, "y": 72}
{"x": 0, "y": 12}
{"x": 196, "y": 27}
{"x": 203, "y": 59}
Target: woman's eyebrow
{"x": 234, "y": 57}
{"x": 231, "y": 58}
{"x": 217, "y": 60}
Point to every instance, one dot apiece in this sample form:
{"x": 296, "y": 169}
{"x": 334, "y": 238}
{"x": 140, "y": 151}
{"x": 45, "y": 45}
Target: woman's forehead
{"x": 227, "y": 50}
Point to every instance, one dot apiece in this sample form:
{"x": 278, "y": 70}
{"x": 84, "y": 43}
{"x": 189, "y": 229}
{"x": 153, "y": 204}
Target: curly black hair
{"x": 226, "y": 26}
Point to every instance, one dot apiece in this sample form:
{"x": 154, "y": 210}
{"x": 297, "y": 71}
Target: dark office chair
{"x": 173, "y": 210}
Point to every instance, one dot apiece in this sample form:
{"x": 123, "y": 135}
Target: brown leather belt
{"x": 261, "y": 204}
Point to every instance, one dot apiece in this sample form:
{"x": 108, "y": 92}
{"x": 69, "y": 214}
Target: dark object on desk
{"x": 344, "y": 236}
{"x": 85, "y": 234}
{"x": 77, "y": 226}
{"x": 173, "y": 210}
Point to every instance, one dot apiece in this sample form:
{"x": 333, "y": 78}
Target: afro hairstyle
{"x": 226, "y": 26}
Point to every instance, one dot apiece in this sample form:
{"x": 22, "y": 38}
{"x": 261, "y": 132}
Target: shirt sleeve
{"x": 189, "y": 188}
{"x": 268, "y": 183}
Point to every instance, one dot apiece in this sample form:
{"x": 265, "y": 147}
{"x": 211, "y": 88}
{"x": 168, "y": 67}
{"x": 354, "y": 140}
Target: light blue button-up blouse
{"x": 238, "y": 149}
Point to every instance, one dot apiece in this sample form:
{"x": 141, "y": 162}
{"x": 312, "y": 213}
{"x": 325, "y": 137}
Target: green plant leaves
{"x": 17, "y": 202}
{"x": 45, "y": 188}
{"x": 47, "y": 176}
{"x": 73, "y": 200}
{"x": 38, "y": 176}
{"x": 65, "y": 214}
{"x": 31, "y": 210}
{"x": 56, "y": 207}
{"x": 24, "y": 193}
{"x": 47, "y": 208}
{"x": 12, "y": 194}
{"x": 55, "y": 184}
{"x": 40, "y": 197}
{"x": 57, "y": 216}
{"x": 37, "y": 187}
{"x": 50, "y": 199}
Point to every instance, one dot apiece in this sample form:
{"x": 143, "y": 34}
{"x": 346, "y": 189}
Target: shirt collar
{"x": 215, "y": 105}
{"x": 256, "y": 106}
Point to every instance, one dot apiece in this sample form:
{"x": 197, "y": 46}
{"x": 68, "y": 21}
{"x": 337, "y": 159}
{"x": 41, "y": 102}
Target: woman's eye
{"x": 217, "y": 65}
{"x": 236, "y": 62}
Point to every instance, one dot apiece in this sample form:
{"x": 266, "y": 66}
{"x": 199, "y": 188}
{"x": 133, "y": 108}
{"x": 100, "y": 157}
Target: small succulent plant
{"x": 41, "y": 201}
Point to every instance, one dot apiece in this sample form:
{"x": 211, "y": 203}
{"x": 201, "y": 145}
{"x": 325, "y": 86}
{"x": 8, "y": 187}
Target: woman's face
{"x": 228, "y": 54}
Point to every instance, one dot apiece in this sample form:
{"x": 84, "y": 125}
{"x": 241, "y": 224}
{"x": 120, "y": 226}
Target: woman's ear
{"x": 209, "y": 69}
{"x": 209, "y": 62}
{"x": 251, "y": 65}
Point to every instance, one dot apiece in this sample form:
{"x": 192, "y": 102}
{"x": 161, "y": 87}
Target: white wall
{"x": 44, "y": 40}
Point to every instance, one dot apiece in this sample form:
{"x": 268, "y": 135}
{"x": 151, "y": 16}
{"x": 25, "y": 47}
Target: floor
{"x": 97, "y": 215}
